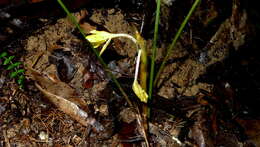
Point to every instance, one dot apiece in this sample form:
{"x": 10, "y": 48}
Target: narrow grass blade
{"x": 154, "y": 49}
{"x": 176, "y": 37}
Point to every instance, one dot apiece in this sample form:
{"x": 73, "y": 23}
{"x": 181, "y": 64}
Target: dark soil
{"x": 207, "y": 95}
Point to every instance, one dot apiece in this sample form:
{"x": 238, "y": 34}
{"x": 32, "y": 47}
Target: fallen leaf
{"x": 64, "y": 98}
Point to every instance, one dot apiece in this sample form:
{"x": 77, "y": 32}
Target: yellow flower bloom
{"x": 140, "y": 93}
{"x": 98, "y": 38}
{"x": 138, "y": 90}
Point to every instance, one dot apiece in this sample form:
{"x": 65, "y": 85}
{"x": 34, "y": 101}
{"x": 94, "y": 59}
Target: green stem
{"x": 176, "y": 37}
{"x": 154, "y": 48}
{"x": 73, "y": 19}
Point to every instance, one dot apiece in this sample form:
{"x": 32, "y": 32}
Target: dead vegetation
{"x": 68, "y": 99}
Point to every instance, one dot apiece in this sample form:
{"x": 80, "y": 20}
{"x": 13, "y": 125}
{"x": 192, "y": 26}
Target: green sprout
{"x": 13, "y": 67}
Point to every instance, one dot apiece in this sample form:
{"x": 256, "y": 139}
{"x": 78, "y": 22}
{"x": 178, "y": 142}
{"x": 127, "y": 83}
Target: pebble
{"x": 10, "y": 133}
{"x": 43, "y": 136}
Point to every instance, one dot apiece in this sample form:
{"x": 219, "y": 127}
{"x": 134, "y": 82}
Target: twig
{"x": 7, "y": 142}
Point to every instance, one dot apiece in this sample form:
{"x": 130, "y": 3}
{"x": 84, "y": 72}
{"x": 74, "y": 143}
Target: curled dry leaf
{"x": 63, "y": 97}
{"x": 64, "y": 64}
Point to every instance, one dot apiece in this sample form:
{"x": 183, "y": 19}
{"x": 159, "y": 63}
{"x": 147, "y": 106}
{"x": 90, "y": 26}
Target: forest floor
{"x": 207, "y": 95}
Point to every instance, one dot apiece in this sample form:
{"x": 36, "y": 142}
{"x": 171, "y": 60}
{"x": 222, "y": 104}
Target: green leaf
{"x": 21, "y": 79}
{"x": 21, "y": 86}
{"x": 8, "y": 60}
{"x": 13, "y": 65}
{"x": 3, "y": 54}
{"x": 15, "y": 73}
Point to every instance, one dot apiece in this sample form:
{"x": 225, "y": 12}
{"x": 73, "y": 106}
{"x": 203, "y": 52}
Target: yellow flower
{"x": 140, "y": 93}
{"x": 98, "y": 38}
{"x": 138, "y": 90}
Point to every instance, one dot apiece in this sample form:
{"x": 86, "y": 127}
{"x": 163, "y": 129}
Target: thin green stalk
{"x": 73, "y": 19}
{"x": 176, "y": 37}
{"x": 154, "y": 49}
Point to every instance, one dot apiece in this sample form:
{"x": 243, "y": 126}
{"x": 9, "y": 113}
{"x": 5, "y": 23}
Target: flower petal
{"x": 140, "y": 93}
{"x": 97, "y": 38}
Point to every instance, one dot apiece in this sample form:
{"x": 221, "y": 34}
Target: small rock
{"x": 103, "y": 109}
{"x": 76, "y": 139}
{"x": 128, "y": 115}
{"x": 2, "y": 81}
{"x": 168, "y": 2}
{"x": 43, "y": 136}
{"x": 4, "y": 15}
{"x": 10, "y": 133}
{"x": 2, "y": 109}
{"x": 17, "y": 22}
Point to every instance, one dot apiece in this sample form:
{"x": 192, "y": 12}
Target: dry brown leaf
{"x": 87, "y": 27}
{"x": 61, "y": 94}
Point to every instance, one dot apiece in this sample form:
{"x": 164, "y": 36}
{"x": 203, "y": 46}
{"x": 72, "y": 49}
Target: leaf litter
{"x": 66, "y": 75}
